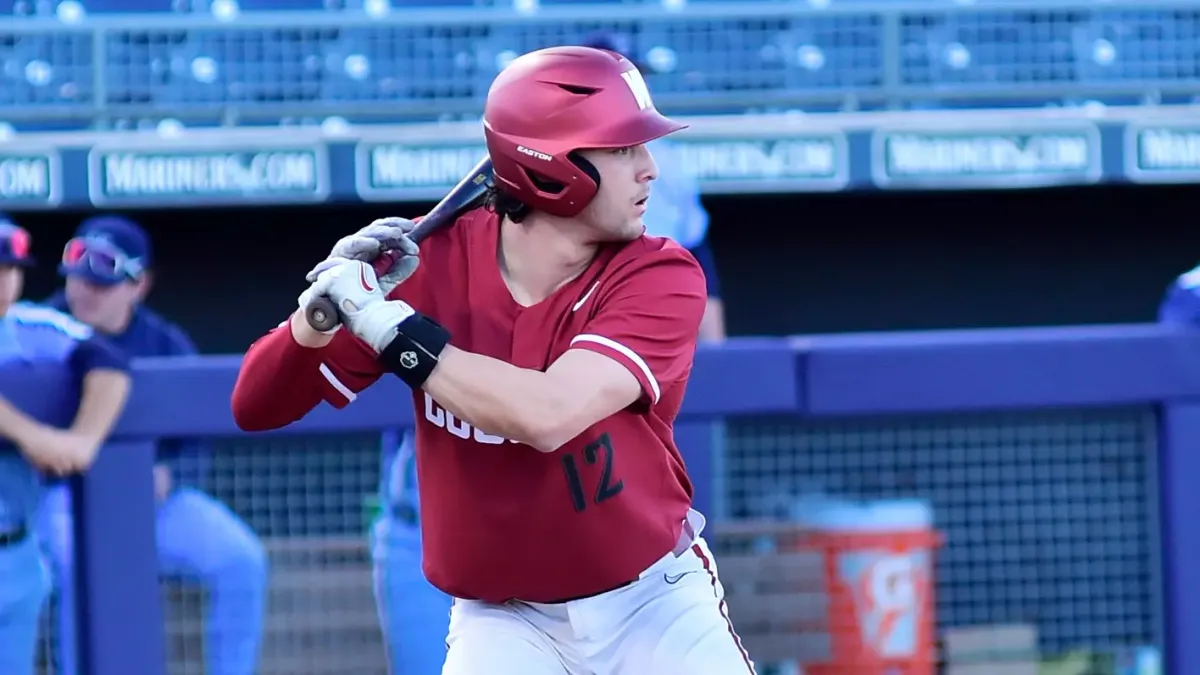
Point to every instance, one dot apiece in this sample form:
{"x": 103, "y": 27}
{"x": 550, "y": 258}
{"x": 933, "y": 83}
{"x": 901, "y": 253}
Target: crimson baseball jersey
{"x": 501, "y": 520}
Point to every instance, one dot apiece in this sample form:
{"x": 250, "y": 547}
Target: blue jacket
{"x": 42, "y": 340}
{"x": 149, "y": 334}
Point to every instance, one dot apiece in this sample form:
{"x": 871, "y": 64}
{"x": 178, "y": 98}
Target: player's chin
{"x": 633, "y": 229}
{"x": 623, "y": 233}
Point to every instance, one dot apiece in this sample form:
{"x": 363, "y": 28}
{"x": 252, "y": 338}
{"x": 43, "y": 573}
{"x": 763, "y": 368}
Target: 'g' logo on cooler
{"x": 890, "y": 585}
{"x": 887, "y": 590}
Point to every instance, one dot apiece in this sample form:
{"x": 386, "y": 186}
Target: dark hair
{"x": 504, "y": 204}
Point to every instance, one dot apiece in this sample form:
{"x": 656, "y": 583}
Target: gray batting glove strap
{"x": 385, "y": 234}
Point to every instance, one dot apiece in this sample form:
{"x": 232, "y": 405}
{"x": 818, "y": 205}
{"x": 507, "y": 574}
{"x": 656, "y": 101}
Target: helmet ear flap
{"x": 585, "y": 166}
{"x": 552, "y": 186}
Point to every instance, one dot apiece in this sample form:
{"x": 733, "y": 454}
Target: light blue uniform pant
{"x": 414, "y": 615}
{"x": 201, "y": 541}
{"x": 24, "y": 585}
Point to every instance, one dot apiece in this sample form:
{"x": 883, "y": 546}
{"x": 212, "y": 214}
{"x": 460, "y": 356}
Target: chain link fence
{"x": 1048, "y": 520}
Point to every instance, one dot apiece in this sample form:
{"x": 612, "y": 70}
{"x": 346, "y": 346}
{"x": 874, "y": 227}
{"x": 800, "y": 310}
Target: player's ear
{"x": 18, "y": 281}
{"x": 143, "y": 285}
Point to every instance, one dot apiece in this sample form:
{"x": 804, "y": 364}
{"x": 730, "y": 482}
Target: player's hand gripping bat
{"x": 321, "y": 313}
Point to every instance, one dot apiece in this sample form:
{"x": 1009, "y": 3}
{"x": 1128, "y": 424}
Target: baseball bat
{"x": 321, "y": 313}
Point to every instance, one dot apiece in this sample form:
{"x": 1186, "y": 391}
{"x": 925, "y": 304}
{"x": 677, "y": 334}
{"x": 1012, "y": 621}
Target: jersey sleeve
{"x": 280, "y": 381}
{"x": 648, "y": 319}
{"x": 97, "y": 353}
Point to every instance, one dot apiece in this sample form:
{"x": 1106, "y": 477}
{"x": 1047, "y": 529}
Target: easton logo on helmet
{"x": 534, "y": 153}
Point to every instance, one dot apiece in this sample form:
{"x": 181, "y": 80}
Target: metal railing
{"x": 1055, "y": 460}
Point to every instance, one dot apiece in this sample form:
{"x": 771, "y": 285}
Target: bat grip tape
{"x": 413, "y": 353}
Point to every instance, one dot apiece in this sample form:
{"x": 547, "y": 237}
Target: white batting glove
{"x": 385, "y": 234}
{"x": 353, "y": 287}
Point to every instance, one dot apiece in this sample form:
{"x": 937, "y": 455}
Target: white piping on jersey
{"x": 337, "y": 384}
{"x": 35, "y": 315}
{"x": 585, "y": 297}
{"x": 627, "y": 353}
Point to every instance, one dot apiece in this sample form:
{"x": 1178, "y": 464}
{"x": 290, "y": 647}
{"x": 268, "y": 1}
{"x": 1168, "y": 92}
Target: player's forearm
{"x": 100, "y": 406}
{"x": 501, "y": 399}
{"x": 15, "y": 425}
{"x": 275, "y": 384}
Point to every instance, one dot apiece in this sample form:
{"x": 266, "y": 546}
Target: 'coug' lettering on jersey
{"x": 444, "y": 419}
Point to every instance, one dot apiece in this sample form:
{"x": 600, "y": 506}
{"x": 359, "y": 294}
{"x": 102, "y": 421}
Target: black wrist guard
{"x": 413, "y": 353}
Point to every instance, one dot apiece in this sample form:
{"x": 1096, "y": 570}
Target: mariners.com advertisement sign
{"x": 279, "y": 169}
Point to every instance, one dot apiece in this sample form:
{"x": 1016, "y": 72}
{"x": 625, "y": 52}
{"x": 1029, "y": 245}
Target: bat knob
{"x": 322, "y": 315}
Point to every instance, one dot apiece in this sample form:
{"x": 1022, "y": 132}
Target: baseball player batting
{"x": 91, "y": 382}
{"x": 548, "y": 343}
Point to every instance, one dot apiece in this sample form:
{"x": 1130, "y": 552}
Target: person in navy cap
{"x": 75, "y": 412}
{"x": 675, "y": 210}
{"x": 108, "y": 272}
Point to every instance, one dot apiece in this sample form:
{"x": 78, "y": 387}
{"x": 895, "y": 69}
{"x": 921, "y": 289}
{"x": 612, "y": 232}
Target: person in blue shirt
{"x": 107, "y": 266}
{"x": 414, "y": 615}
{"x": 674, "y": 209}
{"x": 61, "y": 440}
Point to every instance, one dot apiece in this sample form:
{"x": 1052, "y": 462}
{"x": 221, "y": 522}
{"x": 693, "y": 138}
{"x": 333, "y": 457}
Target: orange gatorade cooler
{"x": 878, "y": 559}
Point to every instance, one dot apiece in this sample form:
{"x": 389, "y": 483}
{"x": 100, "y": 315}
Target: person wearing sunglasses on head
{"x": 60, "y": 439}
{"x": 107, "y": 268}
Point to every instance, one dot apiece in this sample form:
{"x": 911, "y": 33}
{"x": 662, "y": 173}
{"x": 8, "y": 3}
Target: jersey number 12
{"x": 598, "y": 450}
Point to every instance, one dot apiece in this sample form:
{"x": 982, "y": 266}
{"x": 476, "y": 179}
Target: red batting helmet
{"x": 549, "y": 103}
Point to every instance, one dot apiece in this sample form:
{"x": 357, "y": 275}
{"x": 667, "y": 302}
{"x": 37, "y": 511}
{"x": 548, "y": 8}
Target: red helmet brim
{"x": 637, "y": 130}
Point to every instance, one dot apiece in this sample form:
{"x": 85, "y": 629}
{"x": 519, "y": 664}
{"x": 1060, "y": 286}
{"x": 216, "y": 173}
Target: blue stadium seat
{"x": 832, "y": 53}
{"x": 402, "y": 63}
{"x": 137, "y": 63}
{"x": 1139, "y": 45}
{"x": 551, "y": 3}
{"x": 799, "y": 54}
{"x": 348, "y": 71}
{"x": 774, "y": 60}
{"x": 443, "y": 3}
{"x": 50, "y": 126}
{"x": 503, "y": 42}
{"x": 265, "y": 66}
{"x": 286, "y": 5}
{"x": 991, "y": 50}
{"x": 133, "y": 6}
{"x": 34, "y": 8}
{"x": 50, "y": 69}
